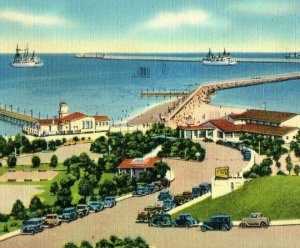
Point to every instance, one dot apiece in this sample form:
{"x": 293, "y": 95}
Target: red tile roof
{"x": 225, "y": 125}
{"x": 196, "y": 127}
{"x": 138, "y": 163}
{"x": 101, "y": 118}
{"x": 48, "y": 121}
{"x": 267, "y": 130}
{"x": 263, "y": 115}
{"x": 73, "y": 116}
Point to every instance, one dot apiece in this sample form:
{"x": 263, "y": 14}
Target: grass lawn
{"x": 277, "y": 197}
{"x": 12, "y": 225}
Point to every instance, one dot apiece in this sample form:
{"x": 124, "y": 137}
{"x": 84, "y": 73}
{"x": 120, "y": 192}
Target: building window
{"x": 195, "y": 133}
{"x": 83, "y": 125}
{"x": 210, "y": 133}
{"x": 220, "y": 134}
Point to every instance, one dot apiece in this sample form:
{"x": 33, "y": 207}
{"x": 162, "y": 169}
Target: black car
{"x": 196, "y": 192}
{"x": 185, "y": 220}
{"x": 160, "y": 220}
{"x": 217, "y": 222}
{"x": 205, "y": 188}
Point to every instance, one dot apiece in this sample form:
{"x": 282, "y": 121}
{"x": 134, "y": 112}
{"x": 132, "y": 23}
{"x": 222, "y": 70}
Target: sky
{"x": 82, "y": 26}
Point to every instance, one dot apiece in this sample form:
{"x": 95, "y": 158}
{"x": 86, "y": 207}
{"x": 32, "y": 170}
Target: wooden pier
{"x": 164, "y": 94}
{"x": 16, "y": 118}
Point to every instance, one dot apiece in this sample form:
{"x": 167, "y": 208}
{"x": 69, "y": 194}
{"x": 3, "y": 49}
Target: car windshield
{"x": 31, "y": 222}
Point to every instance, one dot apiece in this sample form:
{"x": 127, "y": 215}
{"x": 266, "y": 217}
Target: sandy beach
{"x": 154, "y": 114}
{"x": 195, "y": 112}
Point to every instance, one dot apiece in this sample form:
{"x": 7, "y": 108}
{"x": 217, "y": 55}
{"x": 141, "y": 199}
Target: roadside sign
{"x": 222, "y": 172}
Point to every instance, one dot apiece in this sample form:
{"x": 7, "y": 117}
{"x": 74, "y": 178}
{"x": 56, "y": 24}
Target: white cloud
{"x": 31, "y": 19}
{"x": 173, "y": 20}
{"x": 264, "y": 7}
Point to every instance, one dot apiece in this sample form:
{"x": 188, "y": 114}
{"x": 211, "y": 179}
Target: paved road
{"x": 120, "y": 220}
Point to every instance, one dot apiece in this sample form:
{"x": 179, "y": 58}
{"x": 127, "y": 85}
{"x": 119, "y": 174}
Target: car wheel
{"x": 263, "y": 225}
{"x": 203, "y": 229}
{"x": 187, "y": 224}
{"x": 51, "y": 225}
{"x": 224, "y": 228}
{"x": 243, "y": 225}
{"x": 32, "y": 232}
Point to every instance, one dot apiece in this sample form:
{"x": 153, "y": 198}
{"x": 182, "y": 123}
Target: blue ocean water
{"x": 112, "y": 87}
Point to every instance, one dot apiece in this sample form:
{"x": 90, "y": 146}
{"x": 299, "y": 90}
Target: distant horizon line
{"x": 145, "y": 52}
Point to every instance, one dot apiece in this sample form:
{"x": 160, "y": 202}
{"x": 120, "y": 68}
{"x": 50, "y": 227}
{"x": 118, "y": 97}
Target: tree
{"x": 11, "y": 160}
{"x": 52, "y": 145}
{"x": 85, "y": 187}
{"x": 53, "y": 161}
{"x": 35, "y": 204}
{"x": 297, "y": 169}
{"x": 67, "y": 181}
{"x": 85, "y": 244}
{"x": 289, "y": 167}
{"x": 64, "y": 197}
{"x": 107, "y": 188}
{"x": 75, "y": 170}
{"x": 35, "y": 161}
{"x": 54, "y": 188}
{"x": 18, "y": 210}
{"x": 70, "y": 245}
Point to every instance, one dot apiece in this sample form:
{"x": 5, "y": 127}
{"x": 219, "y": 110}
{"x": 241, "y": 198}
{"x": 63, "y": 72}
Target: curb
{"x": 190, "y": 203}
{"x": 122, "y": 198}
{"x": 9, "y": 235}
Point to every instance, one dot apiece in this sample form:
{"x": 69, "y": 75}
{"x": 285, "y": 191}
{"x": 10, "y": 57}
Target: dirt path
{"x": 62, "y": 153}
{"x": 10, "y": 193}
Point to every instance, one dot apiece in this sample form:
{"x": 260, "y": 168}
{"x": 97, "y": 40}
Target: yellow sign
{"x": 222, "y": 172}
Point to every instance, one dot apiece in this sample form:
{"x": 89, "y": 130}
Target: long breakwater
{"x": 205, "y": 92}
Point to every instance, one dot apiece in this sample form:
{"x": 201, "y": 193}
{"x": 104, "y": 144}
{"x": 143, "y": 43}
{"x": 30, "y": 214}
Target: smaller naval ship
{"x": 24, "y": 60}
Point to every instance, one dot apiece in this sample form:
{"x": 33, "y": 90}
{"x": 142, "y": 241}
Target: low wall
{"x": 190, "y": 203}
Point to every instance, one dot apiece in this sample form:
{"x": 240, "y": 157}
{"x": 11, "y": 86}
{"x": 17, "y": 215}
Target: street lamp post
{"x": 197, "y": 155}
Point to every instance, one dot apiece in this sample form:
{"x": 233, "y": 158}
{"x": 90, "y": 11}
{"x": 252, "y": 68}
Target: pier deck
{"x": 205, "y": 91}
{"x": 164, "y": 94}
{"x": 16, "y": 118}
{"x": 194, "y": 59}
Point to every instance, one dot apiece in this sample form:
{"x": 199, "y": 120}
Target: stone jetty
{"x": 205, "y": 92}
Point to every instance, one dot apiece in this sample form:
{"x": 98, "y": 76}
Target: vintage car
{"x": 51, "y": 220}
{"x": 162, "y": 196}
{"x": 152, "y": 188}
{"x": 255, "y": 220}
{"x": 68, "y": 214}
{"x": 185, "y": 220}
{"x": 160, "y": 220}
{"x": 147, "y": 214}
{"x": 32, "y": 226}
{"x": 205, "y": 188}
{"x": 95, "y": 206}
{"x": 168, "y": 205}
{"x": 183, "y": 198}
{"x": 82, "y": 210}
{"x": 141, "y": 191}
{"x": 217, "y": 222}
{"x": 109, "y": 202}
{"x": 196, "y": 192}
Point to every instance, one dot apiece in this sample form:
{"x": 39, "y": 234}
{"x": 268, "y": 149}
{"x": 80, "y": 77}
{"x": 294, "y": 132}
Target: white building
{"x": 230, "y": 127}
{"x": 75, "y": 123}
